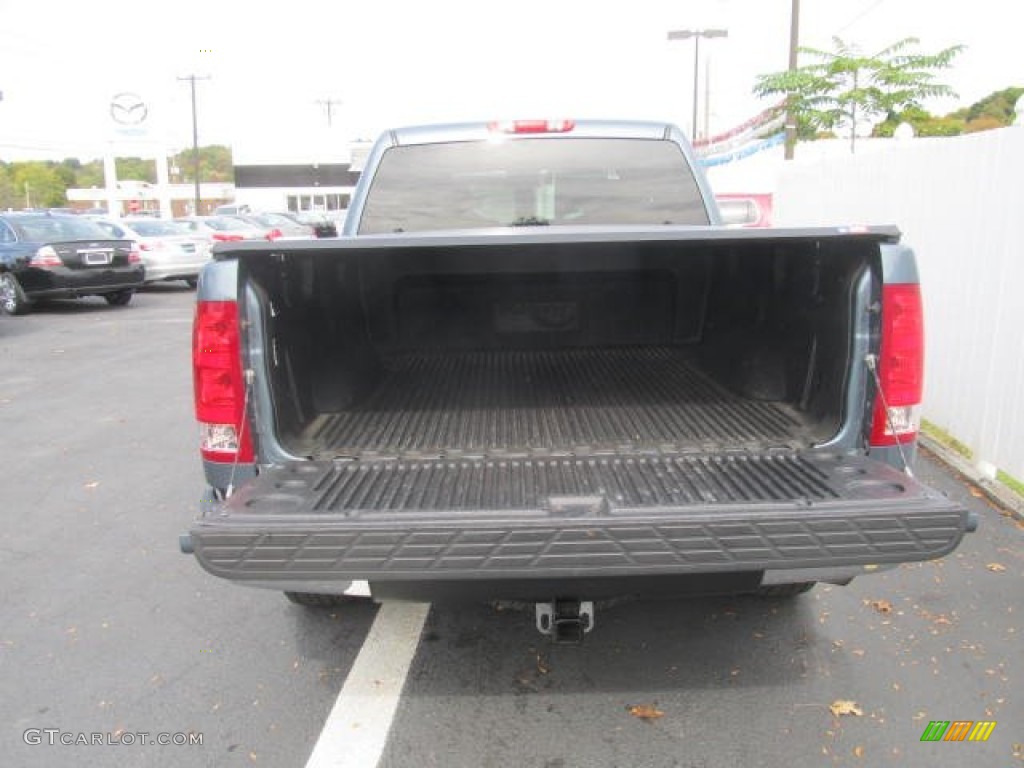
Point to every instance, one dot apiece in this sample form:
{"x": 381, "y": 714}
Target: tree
{"x": 923, "y": 122}
{"x": 997, "y": 110}
{"x": 1000, "y": 105}
{"x": 8, "y": 195}
{"x": 214, "y": 164}
{"x": 136, "y": 169}
{"x": 38, "y": 185}
{"x": 843, "y": 86}
{"x": 89, "y": 175}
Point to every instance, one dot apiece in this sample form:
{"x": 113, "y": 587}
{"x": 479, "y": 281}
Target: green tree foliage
{"x": 8, "y": 196}
{"x": 996, "y": 110}
{"x": 135, "y": 169}
{"x": 215, "y": 164}
{"x": 49, "y": 181}
{"x": 998, "y": 105}
{"x": 843, "y": 86}
{"x": 38, "y": 185}
{"x": 89, "y": 175}
{"x": 923, "y": 122}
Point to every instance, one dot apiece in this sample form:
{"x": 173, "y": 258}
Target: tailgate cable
{"x": 248, "y": 376}
{"x": 872, "y": 363}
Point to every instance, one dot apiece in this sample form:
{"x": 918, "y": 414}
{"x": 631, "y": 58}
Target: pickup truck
{"x": 536, "y": 367}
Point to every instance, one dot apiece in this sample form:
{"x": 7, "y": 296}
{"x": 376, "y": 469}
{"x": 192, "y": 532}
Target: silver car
{"x": 168, "y": 249}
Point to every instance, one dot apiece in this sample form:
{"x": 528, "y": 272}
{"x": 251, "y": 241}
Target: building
{"x": 143, "y": 197}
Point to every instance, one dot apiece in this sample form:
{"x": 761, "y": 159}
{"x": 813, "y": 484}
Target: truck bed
{"x": 531, "y": 409}
{"x": 552, "y": 403}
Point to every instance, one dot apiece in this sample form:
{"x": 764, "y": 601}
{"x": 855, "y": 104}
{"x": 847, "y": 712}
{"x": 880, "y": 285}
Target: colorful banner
{"x": 753, "y": 122}
{"x": 747, "y": 151}
{"x": 758, "y": 132}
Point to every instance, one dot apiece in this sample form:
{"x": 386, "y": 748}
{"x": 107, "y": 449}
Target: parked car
{"x": 222, "y": 229}
{"x": 323, "y": 225}
{"x": 169, "y": 249}
{"x": 231, "y": 209}
{"x": 278, "y": 226}
{"x": 51, "y": 255}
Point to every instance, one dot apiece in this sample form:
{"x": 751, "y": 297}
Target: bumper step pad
{"x": 593, "y": 516}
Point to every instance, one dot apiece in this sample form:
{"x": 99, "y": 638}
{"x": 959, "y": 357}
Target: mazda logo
{"x": 128, "y": 109}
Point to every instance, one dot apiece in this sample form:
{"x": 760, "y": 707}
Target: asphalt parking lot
{"x": 105, "y": 628}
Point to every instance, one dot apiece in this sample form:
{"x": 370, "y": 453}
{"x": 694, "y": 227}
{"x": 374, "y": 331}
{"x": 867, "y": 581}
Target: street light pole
{"x": 696, "y": 84}
{"x": 794, "y": 38}
{"x": 696, "y": 34}
{"x": 195, "y": 138}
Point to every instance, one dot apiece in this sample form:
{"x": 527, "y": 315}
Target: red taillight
{"x": 134, "y": 257}
{"x": 225, "y": 237}
{"x": 532, "y": 126}
{"x": 152, "y": 245}
{"x": 218, "y": 382}
{"x": 900, "y": 366}
{"x": 45, "y": 257}
{"x": 274, "y": 234}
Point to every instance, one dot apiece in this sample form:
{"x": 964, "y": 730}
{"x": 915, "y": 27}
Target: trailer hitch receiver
{"x": 565, "y": 620}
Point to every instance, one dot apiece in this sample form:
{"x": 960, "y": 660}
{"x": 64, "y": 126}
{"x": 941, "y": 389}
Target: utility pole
{"x": 195, "y": 136}
{"x": 794, "y": 44}
{"x": 328, "y": 105}
{"x": 696, "y": 34}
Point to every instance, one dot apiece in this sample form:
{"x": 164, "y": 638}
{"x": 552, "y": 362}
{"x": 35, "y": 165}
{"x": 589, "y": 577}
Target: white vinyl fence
{"x": 960, "y": 205}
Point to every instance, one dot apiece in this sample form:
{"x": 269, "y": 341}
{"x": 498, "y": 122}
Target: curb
{"x": 996, "y": 492}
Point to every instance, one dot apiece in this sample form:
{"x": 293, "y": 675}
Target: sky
{"x": 407, "y": 62}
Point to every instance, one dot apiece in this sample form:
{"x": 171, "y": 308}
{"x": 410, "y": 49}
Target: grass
{"x": 1010, "y": 482}
{"x": 940, "y": 435}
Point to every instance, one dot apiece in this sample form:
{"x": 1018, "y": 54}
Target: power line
{"x": 328, "y": 105}
{"x": 858, "y": 17}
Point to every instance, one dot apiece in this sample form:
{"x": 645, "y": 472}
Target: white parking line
{"x": 357, "y": 728}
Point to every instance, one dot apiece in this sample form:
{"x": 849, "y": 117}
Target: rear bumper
{"x": 312, "y": 526}
{"x": 174, "y": 270}
{"x": 61, "y": 282}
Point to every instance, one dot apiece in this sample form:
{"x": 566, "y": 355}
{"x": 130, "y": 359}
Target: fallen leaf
{"x": 975, "y": 492}
{"x": 541, "y": 666}
{"x": 858, "y": 751}
{"x": 646, "y": 712}
{"x": 882, "y": 606}
{"x": 996, "y": 567}
{"x": 844, "y": 707}
{"x": 93, "y": 484}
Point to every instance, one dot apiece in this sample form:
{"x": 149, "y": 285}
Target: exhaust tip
{"x": 973, "y": 521}
{"x": 186, "y": 544}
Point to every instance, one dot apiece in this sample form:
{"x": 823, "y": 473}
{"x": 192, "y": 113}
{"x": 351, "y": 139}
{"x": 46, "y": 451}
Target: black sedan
{"x": 57, "y": 256}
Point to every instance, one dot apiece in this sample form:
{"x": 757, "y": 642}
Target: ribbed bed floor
{"x": 579, "y": 401}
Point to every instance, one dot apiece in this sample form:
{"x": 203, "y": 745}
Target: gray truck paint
{"x": 868, "y": 515}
